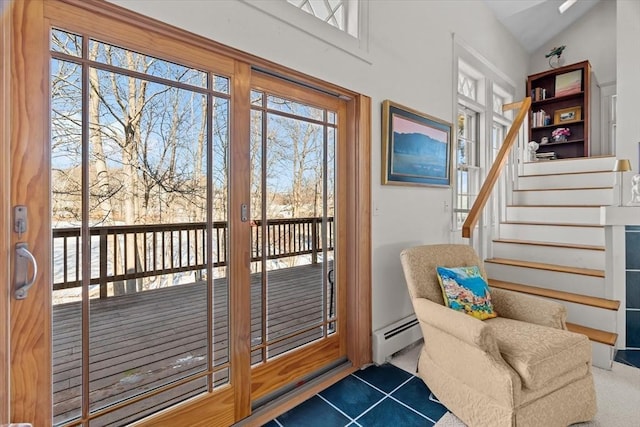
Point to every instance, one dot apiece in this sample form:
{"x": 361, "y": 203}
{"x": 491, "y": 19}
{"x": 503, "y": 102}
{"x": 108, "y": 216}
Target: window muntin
{"x": 467, "y": 86}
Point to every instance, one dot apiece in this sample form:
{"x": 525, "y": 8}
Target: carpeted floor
{"x": 391, "y": 395}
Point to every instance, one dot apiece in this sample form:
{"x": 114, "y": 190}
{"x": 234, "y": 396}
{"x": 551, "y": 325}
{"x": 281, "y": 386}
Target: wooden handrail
{"x": 496, "y": 168}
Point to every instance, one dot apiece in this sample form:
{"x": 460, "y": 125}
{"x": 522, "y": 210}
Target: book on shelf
{"x": 538, "y": 94}
{"x": 540, "y": 118}
{"x": 551, "y": 155}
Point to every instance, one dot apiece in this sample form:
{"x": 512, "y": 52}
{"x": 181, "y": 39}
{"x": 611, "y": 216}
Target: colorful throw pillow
{"x": 464, "y": 289}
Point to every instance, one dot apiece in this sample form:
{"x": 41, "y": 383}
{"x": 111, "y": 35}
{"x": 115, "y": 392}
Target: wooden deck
{"x": 149, "y": 339}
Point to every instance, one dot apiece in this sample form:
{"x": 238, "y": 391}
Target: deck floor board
{"x": 148, "y": 339}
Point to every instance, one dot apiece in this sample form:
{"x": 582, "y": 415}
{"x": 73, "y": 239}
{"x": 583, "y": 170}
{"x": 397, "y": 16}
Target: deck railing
{"x": 125, "y": 253}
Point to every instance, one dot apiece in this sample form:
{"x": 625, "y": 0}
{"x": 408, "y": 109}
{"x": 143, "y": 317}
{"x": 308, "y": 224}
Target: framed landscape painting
{"x": 416, "y": 148}
{"x": 568, "y": 83}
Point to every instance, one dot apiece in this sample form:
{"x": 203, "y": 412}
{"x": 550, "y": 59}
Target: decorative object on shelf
{"x": 416, "y": 147}
{"x": 635, "y": 191}
{"x": 532, "y": 147}
{"x": 568, "y": 83}
{"x": 567, "y": 115}
{"x": 557, "y": 52}
{"x": 544, "y": 140}
{"x": 621, "y": 166}
{"x": 560, "y": 134}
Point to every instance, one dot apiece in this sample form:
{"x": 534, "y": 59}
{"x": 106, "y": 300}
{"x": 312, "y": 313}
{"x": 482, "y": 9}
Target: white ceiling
{"x": 535, "y": 22}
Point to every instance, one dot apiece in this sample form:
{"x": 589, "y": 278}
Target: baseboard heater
{"x": 394, "y": 337}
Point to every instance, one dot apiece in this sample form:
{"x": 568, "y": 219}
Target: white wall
{"x": 409, "y": 61}
{"x": 628, "y": 124}
{"x": 591, "y": 37}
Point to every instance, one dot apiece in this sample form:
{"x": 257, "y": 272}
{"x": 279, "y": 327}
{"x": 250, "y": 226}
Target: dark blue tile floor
{"x": 377, "y": 396}
{"x": 628, "y": 357}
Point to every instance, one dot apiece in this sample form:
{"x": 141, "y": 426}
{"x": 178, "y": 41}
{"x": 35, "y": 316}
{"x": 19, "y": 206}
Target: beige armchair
{"x": 522, "y": 368}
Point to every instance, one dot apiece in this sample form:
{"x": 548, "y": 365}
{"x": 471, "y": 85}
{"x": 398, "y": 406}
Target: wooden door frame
{"x": 24, "y": 119}
{"x": 5, "y": 211}
{"x": 28, "y": 121}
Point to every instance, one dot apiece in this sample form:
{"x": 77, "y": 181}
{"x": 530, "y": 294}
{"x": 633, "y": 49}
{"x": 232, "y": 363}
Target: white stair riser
{"x": 602, "y": 355}
{"x": 576, "y": 165}
{"x": 564, "y": 215}
{"x": 568, "y": 282}
{"x": 556, "y": 234}
{"x": 591, "y": 317}
{"x": 573, "y": 180}
{"x": 604, "y": 196}
{"x": 582, "y": 258}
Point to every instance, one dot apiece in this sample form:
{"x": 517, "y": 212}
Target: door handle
{"x": 23, "y": 258}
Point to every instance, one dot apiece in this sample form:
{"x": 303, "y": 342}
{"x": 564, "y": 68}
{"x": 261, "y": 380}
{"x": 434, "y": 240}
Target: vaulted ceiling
{"x": 535, "y": 22}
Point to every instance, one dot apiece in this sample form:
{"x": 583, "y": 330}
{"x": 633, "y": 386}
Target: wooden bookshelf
{"x": 568, "y": 110}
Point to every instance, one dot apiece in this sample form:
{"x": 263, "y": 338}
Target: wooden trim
{"x": 213, "y": 409}
{"x": 271, "y": 84}
{"x": 548, "y": 267}
{"x": 151, "y": 29}
{"x": 603, "y": 337}
{"x": 295, "y": 397}
{"x": 268, "y": 377}
{"x": 576, "y": 66}
{"x": 551, "y": 244}
{"x": 604, "y": 303}
{"x": 5, "y": 209}
{"x": 240, "y": 236}
{"x": 496, "y": 169}
{"x": 31, "y": 318}
{"x": 359, "y": 321}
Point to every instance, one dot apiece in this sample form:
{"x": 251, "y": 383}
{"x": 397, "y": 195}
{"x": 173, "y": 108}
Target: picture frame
{"x": 568, "y": 83}
{"x": 567, "y": 115}
{"x": 416, "y": 147}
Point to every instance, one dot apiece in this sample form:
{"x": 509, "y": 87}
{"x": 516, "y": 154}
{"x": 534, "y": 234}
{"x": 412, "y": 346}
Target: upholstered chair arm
{"x": 466, "y": 349}
{"x": 462, "y": 326}
{"x": 528, "y": 308}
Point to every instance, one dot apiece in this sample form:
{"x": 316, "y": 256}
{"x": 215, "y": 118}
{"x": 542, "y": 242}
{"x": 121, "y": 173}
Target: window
{"x": 343, "y": 24}
{"x": 481, "y": 126}
{"x": 468, "y": 168}
{"x": 333, "y": 12}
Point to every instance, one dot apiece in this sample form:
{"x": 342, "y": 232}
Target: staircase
{"x": 551, "y": 245}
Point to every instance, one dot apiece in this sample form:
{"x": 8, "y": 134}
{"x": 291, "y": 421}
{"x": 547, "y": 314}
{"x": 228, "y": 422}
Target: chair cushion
{"x": 539, "y": 353}
{"x": 464, "y": 289}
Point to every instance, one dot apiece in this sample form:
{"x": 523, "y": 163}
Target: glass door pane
{"x": 139, "y": 195}
{"x": 293, "y": 203}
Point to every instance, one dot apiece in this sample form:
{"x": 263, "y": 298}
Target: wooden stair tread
{"x": 565, "y": 173}
{"x": 608, "y": 187}
{"x": 548, "y": 267}
{"x": 555, "y": 206}
{"x": 556, "y": 224}
{"x": 597, "y": 335}
{"x": 552, "y": 244}
{"x": 603, "y": 303}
